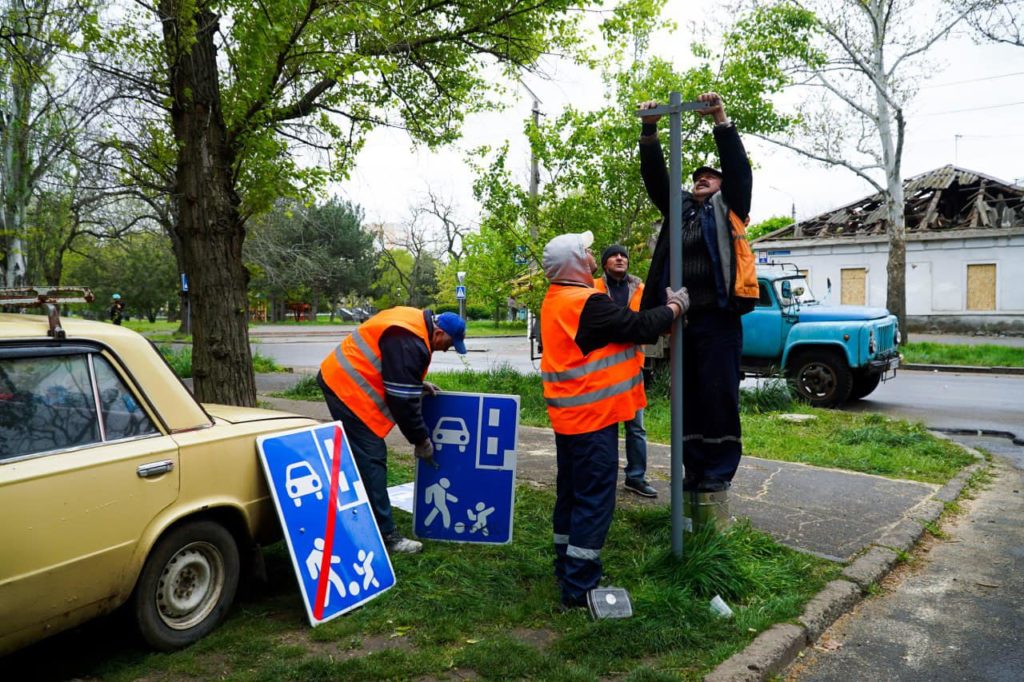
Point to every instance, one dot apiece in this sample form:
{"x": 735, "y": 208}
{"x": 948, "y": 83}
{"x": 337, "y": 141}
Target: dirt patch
{"x": 538, "y": 638}
{"x": 349, "y": 647}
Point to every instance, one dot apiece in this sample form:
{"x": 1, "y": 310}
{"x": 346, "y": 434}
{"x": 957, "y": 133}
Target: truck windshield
{"x": 798, "y": 289}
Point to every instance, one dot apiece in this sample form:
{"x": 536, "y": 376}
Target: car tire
{"x": 187, "y": 585}
{"x": 820, "y": 377}
{"x": 864, "y": 383}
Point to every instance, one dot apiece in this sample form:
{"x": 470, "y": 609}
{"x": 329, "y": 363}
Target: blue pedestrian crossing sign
{"x": 460, "y": 292}
{"x": 336, "y": 547}
{"x": 471, "y": 495}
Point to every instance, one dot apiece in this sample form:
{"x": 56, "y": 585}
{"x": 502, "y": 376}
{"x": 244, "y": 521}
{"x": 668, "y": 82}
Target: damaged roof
{"x": 943, "y": 200}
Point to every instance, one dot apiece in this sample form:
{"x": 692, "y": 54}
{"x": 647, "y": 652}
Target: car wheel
{"x": 820, "y": 377}
{"x": 864, "y": 383}
{"x": 187, "y": 585}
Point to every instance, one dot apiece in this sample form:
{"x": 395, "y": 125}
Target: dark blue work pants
{"x": 712, "y": 345}
{"x": 584, "y": 502}
{"x": 371, "y": 455}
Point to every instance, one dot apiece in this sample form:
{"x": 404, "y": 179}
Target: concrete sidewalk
{"x": 859, "y": 520}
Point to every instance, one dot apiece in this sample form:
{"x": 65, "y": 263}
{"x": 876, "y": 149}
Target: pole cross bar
{"x": 675, "y": 183}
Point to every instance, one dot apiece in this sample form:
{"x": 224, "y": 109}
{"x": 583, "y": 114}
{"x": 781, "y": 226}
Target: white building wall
{"x": 936, "y": 271}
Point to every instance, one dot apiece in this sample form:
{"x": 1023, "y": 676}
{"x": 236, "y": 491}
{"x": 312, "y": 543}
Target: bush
{"x": 473, "y": 312}
{"x": 180, "y": 360}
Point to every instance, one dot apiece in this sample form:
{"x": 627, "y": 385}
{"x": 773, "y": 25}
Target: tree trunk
{"x": 208, "y": 223}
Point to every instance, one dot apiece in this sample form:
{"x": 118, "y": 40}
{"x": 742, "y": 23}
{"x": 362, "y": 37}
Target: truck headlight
{"x": 871, "y": 342}
{"x": 899, "y": 336}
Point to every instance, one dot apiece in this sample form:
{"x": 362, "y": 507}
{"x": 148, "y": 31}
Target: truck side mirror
{"x": 787, "y": 290}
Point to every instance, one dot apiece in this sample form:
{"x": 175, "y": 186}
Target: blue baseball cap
{"x": 455, "y": 327}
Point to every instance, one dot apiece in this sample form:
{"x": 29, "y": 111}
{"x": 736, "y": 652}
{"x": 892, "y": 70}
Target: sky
{"x": 969, "y": 113}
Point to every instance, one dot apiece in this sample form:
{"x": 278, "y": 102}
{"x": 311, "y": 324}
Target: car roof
{"x": 162, "y": 387}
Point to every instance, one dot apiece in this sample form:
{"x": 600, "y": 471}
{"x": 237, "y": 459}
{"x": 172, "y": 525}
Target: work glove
{"x": 425, "y": 450}
{"x": 680, "y": 297}
{"x": 429, "y": 388}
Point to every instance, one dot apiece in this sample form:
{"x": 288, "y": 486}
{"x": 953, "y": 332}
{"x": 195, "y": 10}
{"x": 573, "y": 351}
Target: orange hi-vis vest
{"x": 634, "y": 302}
{"x": 585, "y": 393}
{"x": 353, "y": 370}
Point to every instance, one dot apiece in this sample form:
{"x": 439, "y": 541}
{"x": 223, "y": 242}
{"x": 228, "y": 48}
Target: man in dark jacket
{"x": 718, "y": 273}
{"x": 373, "y": 381}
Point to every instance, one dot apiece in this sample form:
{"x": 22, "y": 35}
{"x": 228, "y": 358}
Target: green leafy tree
{"x": 592, "y": 165}
{"x": 319, "y": 250}
{"x": 769, "y": 225}
{"x": 246, "y": 84}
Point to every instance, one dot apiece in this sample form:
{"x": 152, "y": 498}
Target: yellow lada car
{"x": 117, "y": 487}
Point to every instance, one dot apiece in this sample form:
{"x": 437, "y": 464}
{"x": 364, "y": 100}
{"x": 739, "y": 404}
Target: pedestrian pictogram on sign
{"x": 336, "y": 548}
{"x": 460, "y": 292}
{"x": 470, "y": 496}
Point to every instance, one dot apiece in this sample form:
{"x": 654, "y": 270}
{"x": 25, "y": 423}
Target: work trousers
{"x": 584, "y": 503}
{"x": 712, "y": 444}
{"x": 636, "y": 446}
{"x": 371, "y": 456}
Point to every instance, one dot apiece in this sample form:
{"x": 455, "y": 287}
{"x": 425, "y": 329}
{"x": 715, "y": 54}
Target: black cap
{"x": 705, "y": 169}
{"x": 611, "y": 251}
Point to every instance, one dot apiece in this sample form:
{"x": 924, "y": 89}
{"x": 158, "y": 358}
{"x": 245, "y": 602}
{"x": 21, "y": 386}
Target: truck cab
{"x": 829, "y": 353}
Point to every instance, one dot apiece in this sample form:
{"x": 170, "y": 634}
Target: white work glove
{"x": 430, "y": 389}
{"x": 425, "y": 450}
{"x": 680, "y": 297}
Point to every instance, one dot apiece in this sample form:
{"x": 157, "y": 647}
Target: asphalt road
{"x": 939, "y": 399}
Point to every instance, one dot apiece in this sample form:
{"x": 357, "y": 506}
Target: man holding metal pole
{"x": 718, "y": 270}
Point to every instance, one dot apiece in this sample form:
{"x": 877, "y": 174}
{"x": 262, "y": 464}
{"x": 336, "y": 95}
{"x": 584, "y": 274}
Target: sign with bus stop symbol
{"x": 334, "y": 542}
{"x": 470, "y": 497}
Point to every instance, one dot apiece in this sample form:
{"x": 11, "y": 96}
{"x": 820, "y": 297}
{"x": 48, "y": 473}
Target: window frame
{"x": 19, "y": 350}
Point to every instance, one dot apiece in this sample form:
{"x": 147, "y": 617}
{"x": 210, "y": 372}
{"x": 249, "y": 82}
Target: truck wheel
{"x": 187, "y": 585}
{"x": 821, "y": 377}
{"x": 864, "y": 383}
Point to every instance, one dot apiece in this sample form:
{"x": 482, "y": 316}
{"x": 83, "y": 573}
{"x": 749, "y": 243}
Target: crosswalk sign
{"x": 470, "y": 496}
{"x": 333, "y": 539}
{"x": 460, "y": 292}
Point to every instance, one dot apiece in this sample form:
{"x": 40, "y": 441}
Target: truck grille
{"x": 885, "y": 337}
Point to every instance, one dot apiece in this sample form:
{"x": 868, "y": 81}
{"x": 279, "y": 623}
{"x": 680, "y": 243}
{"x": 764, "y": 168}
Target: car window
{"x": 764, "y": 299}
{"x": 46, "y": 403}
{"x": 122, "y": 415}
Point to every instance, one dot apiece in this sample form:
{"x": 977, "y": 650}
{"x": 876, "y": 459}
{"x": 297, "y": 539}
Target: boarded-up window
{"x": 852, "y": 289}
{"x": 981, "y": 287}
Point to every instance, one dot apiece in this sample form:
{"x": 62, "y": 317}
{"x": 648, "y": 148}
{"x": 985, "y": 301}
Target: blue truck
{"x": 830, "y": 354}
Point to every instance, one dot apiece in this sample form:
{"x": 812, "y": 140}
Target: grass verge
{"x": 467, "y": 611}
{"x": 180, "y": 360}
{"x": 868, "y": 443}
{"x": 984, "y": 355}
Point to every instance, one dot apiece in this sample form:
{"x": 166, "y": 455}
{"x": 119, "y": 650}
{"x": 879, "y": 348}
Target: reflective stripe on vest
{"x": 353, "y": 370}
{"x": 585, "y": 393}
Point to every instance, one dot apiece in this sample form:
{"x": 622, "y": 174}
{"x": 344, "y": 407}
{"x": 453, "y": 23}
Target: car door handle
{"x": 155, "y": 468}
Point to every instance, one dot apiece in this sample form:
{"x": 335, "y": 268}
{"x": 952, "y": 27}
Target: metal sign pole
{"x": 675, "y": 183}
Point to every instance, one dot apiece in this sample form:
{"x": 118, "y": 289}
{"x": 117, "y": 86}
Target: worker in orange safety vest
{"x": 374, "y": 380}
{"x": 627, "y": 290}
{"x": 591, "y": 372}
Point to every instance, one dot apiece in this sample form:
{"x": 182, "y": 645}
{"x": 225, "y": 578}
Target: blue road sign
{"x": 460, "y": 292}
{"x": 336, "y": 548}
{"x": 471, "y": 495}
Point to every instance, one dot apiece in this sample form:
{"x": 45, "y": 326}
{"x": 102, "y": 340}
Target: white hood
{"x": 565, "y": 259}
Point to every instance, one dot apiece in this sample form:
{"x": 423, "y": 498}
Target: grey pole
{"x": 675, "y": 200}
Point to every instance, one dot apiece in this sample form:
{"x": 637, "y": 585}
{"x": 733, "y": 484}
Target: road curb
{"x": 777, "y": 647}
{"x": 962, "y": 369}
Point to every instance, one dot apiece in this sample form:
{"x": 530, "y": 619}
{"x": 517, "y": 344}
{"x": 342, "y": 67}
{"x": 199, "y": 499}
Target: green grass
{"x": 984, "y": 355}
{"x": 144, "y": 326}
{"x": 180, "y": 360}
{"x": 478, "y": 328}
{"x": 868, "y": 443}
{"x": 491, "y": 611}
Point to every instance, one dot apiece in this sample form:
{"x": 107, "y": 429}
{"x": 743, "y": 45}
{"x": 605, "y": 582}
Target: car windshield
{"x": 799, "y": 291}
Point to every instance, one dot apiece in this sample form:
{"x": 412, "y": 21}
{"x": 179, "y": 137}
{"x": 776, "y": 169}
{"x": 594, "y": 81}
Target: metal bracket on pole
{"x": 675, "y": 184}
